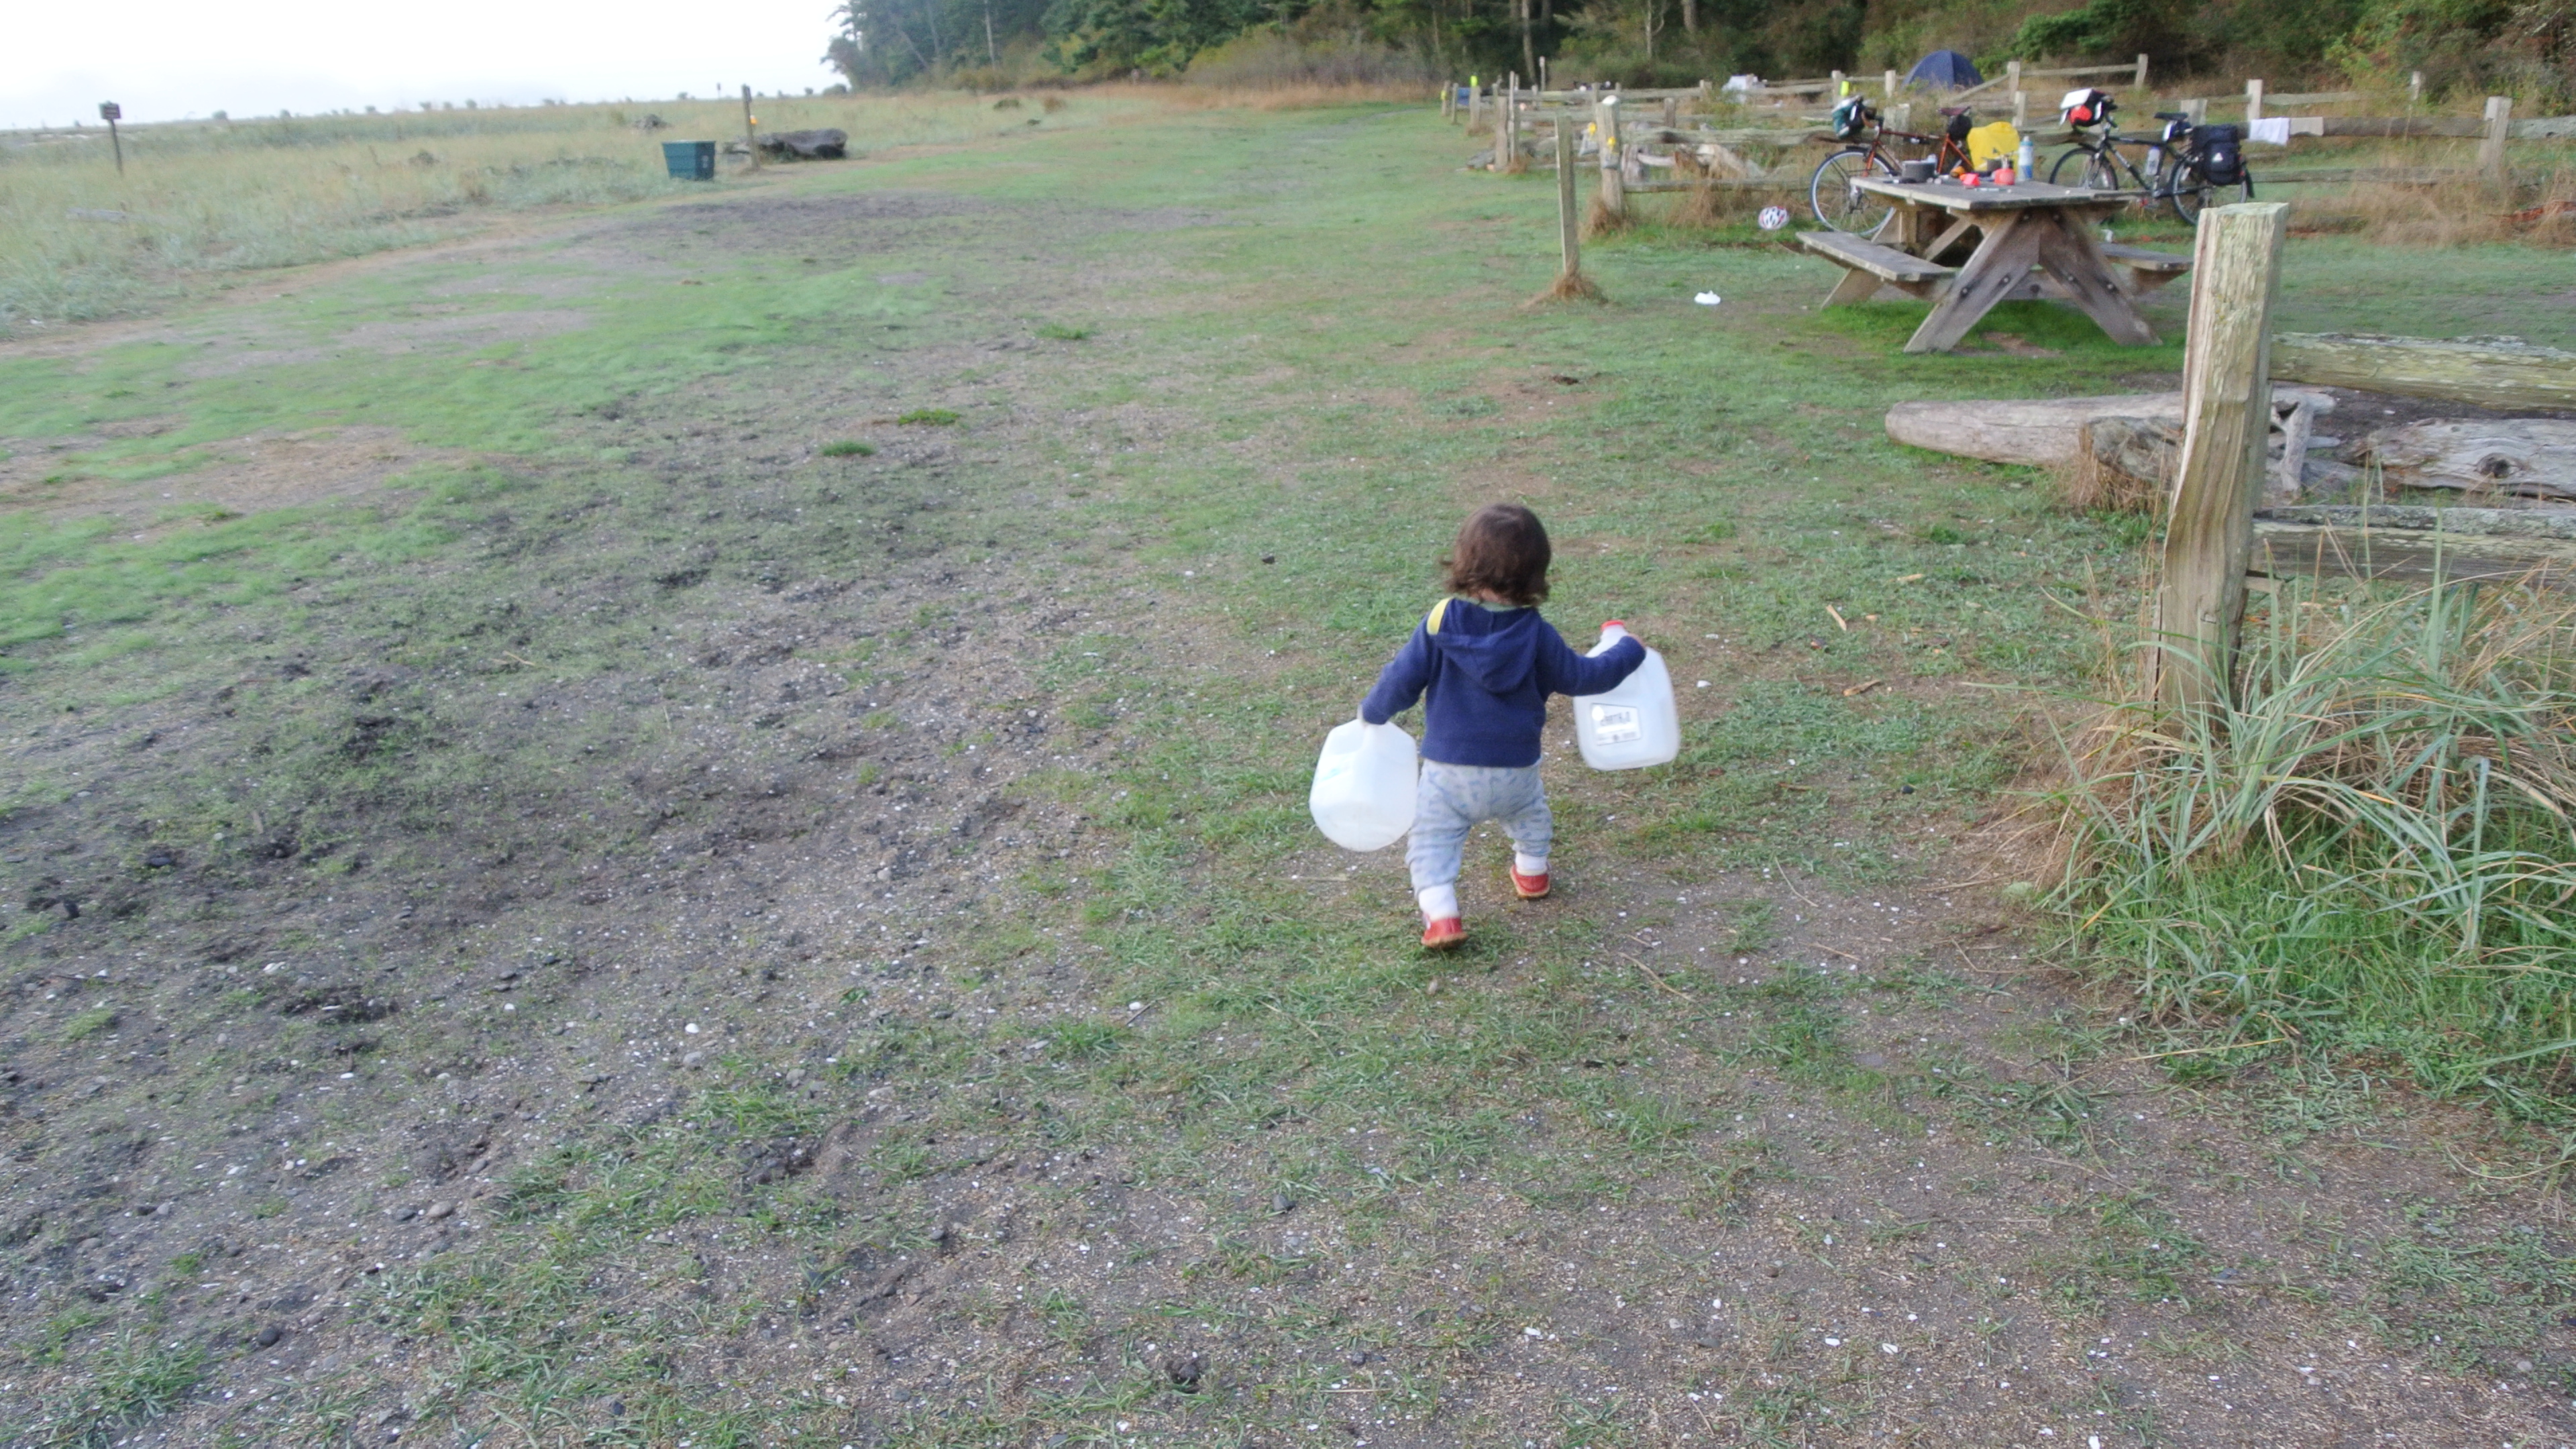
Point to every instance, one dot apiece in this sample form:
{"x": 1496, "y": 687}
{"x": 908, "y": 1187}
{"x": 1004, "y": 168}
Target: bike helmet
{"x": 2087, "y": 107}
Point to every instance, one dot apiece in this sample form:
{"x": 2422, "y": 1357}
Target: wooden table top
{"x": 1951, "y": 196}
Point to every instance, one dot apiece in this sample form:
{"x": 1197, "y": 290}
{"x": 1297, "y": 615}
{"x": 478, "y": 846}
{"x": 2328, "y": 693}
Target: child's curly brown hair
{"x": 1502, "y": 551}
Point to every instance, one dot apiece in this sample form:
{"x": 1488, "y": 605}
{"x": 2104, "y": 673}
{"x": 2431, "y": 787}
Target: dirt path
{"x": 686, "y": 937}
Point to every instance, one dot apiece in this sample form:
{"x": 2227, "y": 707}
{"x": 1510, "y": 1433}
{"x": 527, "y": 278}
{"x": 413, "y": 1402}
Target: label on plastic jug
{"x": 1614, "y": 724}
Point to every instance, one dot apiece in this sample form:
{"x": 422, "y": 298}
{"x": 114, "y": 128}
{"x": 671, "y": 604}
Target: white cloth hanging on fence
{"x": 2269, "y": 131}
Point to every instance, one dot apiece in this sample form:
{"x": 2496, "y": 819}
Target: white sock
{"x": 1529, "y": 864}
{"x": 1439, "y": 903}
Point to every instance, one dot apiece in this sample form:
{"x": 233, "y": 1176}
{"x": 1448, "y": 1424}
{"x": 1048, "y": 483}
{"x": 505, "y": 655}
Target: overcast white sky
{"x": 168, "y": 59}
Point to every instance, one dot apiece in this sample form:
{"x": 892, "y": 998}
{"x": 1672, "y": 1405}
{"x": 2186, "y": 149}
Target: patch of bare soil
{"x": 48, "y": 478}
{"x": 241, "y": 348}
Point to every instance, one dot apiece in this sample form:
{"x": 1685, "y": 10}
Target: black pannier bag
{"x": 2222, "y": 154}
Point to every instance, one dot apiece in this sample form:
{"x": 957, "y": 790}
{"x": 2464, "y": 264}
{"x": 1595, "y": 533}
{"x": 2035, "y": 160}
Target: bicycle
{"x": 2189, "y": 168}
{"x": 1843, "y": 207}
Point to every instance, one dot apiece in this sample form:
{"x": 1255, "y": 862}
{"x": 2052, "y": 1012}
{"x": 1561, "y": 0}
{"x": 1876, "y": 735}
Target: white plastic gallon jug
{"x": 1634, "y": 725}
{"x": 1363, "y": 793}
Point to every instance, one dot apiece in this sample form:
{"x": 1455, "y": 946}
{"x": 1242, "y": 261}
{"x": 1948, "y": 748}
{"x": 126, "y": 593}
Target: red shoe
{"x": 1529, "y": 887}
{"x": 1444, "y": 933}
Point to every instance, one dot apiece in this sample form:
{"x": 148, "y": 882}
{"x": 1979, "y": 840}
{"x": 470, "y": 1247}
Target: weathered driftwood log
{"x": 2039, "y": 432}
{"x": 2124, "y": 464}
{"x": 2534, "y": 457}
{"x": 2127, "y": 464}
{"x": 2499, "y": 372}
{"x": 824, "y": 145}
{"x": 2045, "y": 432}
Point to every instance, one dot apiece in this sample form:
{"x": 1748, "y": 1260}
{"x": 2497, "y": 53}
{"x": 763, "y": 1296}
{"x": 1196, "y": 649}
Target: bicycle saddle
{"x": 1956, "y": 110}
{"x": 2172, "y": 116}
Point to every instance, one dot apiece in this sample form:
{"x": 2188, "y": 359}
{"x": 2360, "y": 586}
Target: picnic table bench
{"x": 2032, "y": 241}
{"x": 1872, "y": 265}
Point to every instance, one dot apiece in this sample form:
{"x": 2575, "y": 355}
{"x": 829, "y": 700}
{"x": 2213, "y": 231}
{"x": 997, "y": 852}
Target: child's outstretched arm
{"x": 1562, "y": 671}
{"x": 1403, "y": 680}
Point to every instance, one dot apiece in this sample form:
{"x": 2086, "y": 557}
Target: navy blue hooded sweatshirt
{"x": 1489, "y": 672}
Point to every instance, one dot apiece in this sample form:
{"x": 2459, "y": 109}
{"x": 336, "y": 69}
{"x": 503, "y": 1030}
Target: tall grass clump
{"x": 2458, "y": 211}
{"x": 2366, "y": 850}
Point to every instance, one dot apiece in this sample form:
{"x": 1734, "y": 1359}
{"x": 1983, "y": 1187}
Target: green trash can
{"x": 690, "y": 160}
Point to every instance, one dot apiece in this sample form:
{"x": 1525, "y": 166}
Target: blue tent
{"x": 1945, "y": 68}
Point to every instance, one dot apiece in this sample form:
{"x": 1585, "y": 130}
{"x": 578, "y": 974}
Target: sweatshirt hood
{"x": 1497, "y": 648}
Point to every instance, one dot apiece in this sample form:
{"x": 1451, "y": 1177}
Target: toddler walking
{"x": 1488, "y": 663}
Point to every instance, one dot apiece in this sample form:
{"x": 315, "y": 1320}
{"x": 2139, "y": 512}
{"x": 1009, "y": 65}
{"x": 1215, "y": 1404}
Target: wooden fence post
{"x": 1475, "y": 106}
{"x": 2021, "y": 110}
{"x": 1614, "y": 182}
{"x": 749, "y": 137}
{"x": 1448, "y": 101}
{"x": 2415, "y": 88}
{"x": 1569, "y": 210}
{"x": 2499, "y": 126}
{"x": 2253, "y": 101}
{"x": 1834, "y": 82}
{"x": 2141, "y": 82}
{"x": 2196, "y": 110}
{"x": 2012, "y": 83}
{"x": 2227, "y": 416}
{"x": 1890, "y": 81}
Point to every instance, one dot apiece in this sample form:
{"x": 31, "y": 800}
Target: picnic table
{"x": 2037, "y": 241}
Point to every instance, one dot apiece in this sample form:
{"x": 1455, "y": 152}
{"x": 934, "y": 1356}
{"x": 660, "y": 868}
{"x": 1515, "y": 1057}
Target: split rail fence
{"x": 1651, "y": 124}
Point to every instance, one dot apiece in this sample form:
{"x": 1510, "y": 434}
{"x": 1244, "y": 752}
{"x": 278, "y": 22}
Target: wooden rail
{"x": 2414, "y": 545}
{"x": 2014, "y": 75}
{"x": 2495, "y": 374}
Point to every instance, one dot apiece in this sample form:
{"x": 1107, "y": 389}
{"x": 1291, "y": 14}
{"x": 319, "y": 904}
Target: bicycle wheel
{"x": 2088, "y": 168}
{"x": 2194, "y": 193}
{"x": 1839, "y": 204}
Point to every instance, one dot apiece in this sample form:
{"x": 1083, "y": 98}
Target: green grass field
{"x": 682, "y": 824}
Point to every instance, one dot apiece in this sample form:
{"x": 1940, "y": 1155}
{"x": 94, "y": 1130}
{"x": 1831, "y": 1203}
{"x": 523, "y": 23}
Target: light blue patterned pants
{"x": 1453, "y": 799}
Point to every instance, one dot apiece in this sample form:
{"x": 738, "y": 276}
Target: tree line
{"x": 2526, "y": 47}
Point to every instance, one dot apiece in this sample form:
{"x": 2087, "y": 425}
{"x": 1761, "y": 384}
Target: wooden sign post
{"x": 750, "y": 136}
{"x": 111, "y": 112}
{"x": 2227, "y": 415}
